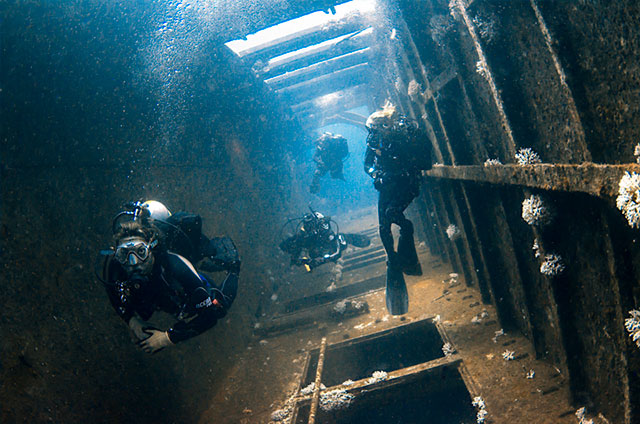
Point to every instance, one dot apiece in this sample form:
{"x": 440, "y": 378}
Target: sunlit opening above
{"x": 300, "y": 26}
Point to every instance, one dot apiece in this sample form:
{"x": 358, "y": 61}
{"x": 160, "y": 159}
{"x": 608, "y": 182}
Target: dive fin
{"x": 396, "y": 293}
{"x": 408, "y": 257}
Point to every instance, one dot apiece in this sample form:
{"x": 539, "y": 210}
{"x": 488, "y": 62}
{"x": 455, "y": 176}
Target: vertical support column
{"x": 483, "y": 279}
{"x": 506, "y": 126}
{"x": 445, "y": 220}
{"x": 425, "y": 80}
{"x": 619, "y": 317}
{"x": 429, "y": 223}
{"x": 469, "y": 264}
{"x": 573, "y": 110}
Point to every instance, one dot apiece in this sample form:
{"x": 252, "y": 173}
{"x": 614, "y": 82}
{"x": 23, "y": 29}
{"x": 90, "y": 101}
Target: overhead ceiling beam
{"x": 298, "y": 40}
{"x": 326, "y": 84}
{"x": 335, "y": 103}
{"x": 316, "y": 53}
{"x": 342, "y": 119}
{"x": 335, "y": 64}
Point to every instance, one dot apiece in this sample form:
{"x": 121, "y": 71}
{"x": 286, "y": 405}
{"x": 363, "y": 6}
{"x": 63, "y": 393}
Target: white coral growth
{"x": 335, "y": 399}
{"x": 448, "y": 349}
{"x": 340, "y": 307}
{"x": 483, "y": 69}
{"x": 633, "y": 326}
{"x": 492, "y": 162}
{"x": 536, "y": 248}
{"x": 280, "y": 415}
{"x": 628, "y": 200}
{"x": 377, "y": 376}
{"x": 508, "y": 355}
{"x": 498, "y": 333}
{"x": 636, "y": 153}
{"x": 535, "y": 211}
{"x": 453, "y": 232}
{"x": 580, "y": 414}
{"x": 531, "y": 374}
{"x": 526, "y": 156}
{"x": 552, "y": 265}
{"x": 478, "y": 402}
{"x": 310, "y": 388}
{"x": 414, "y": 90}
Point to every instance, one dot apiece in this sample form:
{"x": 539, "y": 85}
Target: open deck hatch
{"x": 389, "y": 350}
{"x": 423, "y": 385}
{"x": 438, "y": 396}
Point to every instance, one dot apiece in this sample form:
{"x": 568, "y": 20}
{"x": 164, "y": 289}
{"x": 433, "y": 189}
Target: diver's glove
{"x": 137, "y": 326}
{"x": 156, "y": 341}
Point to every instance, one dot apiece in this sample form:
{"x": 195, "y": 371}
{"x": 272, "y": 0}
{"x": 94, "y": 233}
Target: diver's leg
{"x": 384, "y": 225}
{"x": 407, "y": 255}
{"x": 336, "y": 172}
{"x": 229, "y": 289}
{"x": 396, "y": 294}
{"x": 315, "y": 182}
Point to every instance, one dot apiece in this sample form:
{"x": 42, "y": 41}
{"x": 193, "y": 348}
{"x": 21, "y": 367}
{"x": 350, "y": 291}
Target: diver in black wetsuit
{"x": 315, "y": 243}
{"x": 331, "y": 151}
{"x": 397, "y": 151}
{"x": 142, "y": 274}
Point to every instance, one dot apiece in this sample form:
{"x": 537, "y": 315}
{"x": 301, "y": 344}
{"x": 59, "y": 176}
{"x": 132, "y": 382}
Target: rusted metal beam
{"x": 594, "y": 179}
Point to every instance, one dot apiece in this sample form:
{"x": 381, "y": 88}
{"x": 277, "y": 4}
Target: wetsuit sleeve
{"x": 112, "y": 274}
{"x": 202, "y": 309}
{"x": 368, "y": 160}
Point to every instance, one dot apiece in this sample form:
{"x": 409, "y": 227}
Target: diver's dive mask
{"x": 134, "y": 251}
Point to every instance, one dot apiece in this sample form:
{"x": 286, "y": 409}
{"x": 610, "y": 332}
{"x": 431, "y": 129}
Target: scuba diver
{"x": 149, "y": 270}
{"x": 397, "y": 151}
{"x": 331, "y": 151}
{"x": 314, "y": 242}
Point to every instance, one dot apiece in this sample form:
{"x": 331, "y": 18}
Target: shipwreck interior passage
{"x": 529, "y": 217}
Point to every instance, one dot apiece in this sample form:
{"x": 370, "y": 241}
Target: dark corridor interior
{"x": 531, "y": 110}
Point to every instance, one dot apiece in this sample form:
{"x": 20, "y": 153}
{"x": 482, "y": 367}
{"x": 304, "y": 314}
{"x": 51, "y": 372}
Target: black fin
{"x": 396, "y": 293}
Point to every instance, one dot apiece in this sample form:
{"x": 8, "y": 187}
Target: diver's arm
{"x": 207, "y": 312}
{"x": 112, "y": 275}
{"x": 329, "y": 257}
{"x": 317, "y": 158}
{"x": 368, "y": 162}
{"x": 204, "y": 308}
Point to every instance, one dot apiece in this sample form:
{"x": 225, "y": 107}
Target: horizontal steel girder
{"x": 595, "y": 179}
